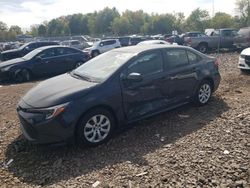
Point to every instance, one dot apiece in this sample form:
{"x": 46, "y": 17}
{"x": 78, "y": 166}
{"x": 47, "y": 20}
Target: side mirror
{"x": 134, "y": 77}
{"x": 101, "y": 44}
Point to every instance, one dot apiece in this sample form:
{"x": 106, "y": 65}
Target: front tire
{"x": 22, "y": 75}
{"x": 78, "y": 64}
{"x": 203, "y": 93}
{"x": 95, "y": 53}
{"x": 95, "y": 128}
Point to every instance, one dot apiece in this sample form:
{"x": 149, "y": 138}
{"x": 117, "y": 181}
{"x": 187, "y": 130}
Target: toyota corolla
{"x": 116, "y": 88}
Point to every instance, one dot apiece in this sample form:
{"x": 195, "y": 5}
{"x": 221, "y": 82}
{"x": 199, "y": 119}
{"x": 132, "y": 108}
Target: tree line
{"x": 110, "y": 22}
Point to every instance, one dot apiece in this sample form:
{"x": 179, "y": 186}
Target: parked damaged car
{"x": 116, "y": 88}
{"x": 44, "y": 61}
{"x": 23, "y": 50}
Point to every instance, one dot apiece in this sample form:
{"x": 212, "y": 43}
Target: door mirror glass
{"x": 134, "y": 77}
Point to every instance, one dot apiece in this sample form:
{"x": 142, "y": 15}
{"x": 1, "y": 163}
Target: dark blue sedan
{"x": 44, "y": 61}
{"x": 114, "y": 89}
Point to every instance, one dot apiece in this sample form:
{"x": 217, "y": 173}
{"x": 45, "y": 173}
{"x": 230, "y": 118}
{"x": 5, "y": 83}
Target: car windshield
{"x": 31, "y": 54}
{"x": 101, "y": 67}
{"x": 23, "y": 46}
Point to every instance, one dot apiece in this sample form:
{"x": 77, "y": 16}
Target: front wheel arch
{"x": 18, "y": 70}
{"x": 105, "y": 107}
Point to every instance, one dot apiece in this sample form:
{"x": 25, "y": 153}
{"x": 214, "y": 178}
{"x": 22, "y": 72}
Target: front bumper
{"x": 5, "y": 75}
{"x": 243, "y": 64}
{"x": 37, "y": 130}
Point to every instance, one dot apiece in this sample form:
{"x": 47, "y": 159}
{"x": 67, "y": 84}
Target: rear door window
{"x": 192, "y": 57}
{"x": 175, "y": 58}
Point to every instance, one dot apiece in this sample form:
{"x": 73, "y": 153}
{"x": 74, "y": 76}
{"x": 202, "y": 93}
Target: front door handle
{"x": 174, "y": 77}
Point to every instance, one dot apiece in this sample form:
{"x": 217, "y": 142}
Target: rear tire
{"x": 203, "y": 93}
{"x": 95, "y": 128}
{"x": 203, "y": 48}
{"x": 95, "y": 53}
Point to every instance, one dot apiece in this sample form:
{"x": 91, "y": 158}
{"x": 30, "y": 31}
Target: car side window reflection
{"x": 192, "y": 57}
{"x": 47, "y": 54}
{"x": 147, "y": 64}
{"x": 176, "y": 58}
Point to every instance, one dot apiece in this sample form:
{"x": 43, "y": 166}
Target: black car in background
{"x": 44, "y": 61}
{"x": 124, "y": 41}
{"x": 23, "y": 50}
{"x": 116, "y": 88}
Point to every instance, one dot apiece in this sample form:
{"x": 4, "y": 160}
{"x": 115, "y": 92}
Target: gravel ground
{"x": 186, "y": 147}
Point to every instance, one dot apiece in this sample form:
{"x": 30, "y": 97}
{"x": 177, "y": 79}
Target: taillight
{"x": 217, "y": 62}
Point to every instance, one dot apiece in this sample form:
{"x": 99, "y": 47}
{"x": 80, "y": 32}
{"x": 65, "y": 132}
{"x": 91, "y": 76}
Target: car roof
{"x": 53, "y": 46}
{"x": 142, "y": 48}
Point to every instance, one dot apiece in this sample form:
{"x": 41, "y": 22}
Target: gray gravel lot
{"x": 186, "y": 147}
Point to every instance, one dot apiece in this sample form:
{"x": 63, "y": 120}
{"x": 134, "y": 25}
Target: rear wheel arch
{"x": 210, "y": 80}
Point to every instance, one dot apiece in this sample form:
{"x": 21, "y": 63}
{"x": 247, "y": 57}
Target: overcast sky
{"x": 27, "y": 12}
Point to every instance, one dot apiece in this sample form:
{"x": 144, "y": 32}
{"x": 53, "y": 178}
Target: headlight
{"x": 50, "y": 112}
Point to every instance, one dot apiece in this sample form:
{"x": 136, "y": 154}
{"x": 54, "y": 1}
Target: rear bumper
{"x": 217, "y": 79}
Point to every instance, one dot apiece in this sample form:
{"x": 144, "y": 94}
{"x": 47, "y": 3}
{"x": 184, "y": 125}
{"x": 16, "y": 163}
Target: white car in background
{"x": 244, "y": 60}
{"x": 102, "y": 46}
{"x": 153, "y": 42}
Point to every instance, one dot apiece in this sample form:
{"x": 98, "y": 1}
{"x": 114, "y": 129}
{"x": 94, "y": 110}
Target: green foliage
{"x": 16, "y": 30}
{"x": 9, "y": 34}
{"x": 42, "y": 30}
{"x": 163, "y": 23}
{"x": 198, "y": 20}
{"x": 243, "y": 8}
{"x": 109, "y": 22}
{"x": 222, "y": 20}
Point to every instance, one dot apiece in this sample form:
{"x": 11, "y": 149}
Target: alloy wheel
{"x": 97, "y": 128}
{"x": 204, "y": 93}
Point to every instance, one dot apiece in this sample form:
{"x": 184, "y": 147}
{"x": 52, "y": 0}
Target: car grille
{"x": 247, "y": 59}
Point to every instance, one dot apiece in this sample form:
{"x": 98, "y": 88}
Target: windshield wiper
{"x": 83, "y": 77}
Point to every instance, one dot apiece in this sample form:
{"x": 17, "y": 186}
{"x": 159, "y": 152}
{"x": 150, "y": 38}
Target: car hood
{"x": 11, "y": 62}
{"x": 57, "y": 90}
{"x": 246, "y": 51}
